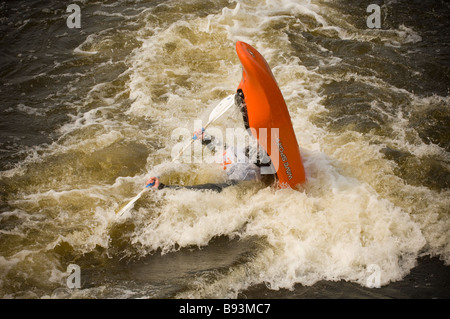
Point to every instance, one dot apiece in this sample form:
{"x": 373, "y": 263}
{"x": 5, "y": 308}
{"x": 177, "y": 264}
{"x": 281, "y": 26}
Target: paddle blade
{"x": 130, "y": 205}
{"x": 221, "y": 108}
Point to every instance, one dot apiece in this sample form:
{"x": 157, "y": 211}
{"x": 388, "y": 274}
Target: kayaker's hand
{"x": 153, "y": 182}
{"x": 199, "y": 134}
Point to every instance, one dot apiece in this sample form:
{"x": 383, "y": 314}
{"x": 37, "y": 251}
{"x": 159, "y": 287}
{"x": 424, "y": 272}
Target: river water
{"x": 89, "y": 113}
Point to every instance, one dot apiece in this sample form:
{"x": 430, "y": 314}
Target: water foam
{"x": 353, "y": 212}
{"x": 334, "y": 230}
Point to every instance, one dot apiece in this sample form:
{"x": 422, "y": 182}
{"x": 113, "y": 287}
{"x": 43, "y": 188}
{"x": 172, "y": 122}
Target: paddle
{"x": 218, "y": 111}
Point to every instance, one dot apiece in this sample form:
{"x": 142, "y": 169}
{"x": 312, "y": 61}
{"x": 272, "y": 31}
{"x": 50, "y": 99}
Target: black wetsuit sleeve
{"x": 210, "y": 186}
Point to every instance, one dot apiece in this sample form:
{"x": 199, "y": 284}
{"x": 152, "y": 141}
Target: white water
{"x": 352, "y": 213}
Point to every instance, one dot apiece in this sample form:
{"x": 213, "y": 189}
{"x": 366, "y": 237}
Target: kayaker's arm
{"x": 209, "y": 186}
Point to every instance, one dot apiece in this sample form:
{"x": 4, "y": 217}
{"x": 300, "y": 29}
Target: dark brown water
{"x": 87, "y": 114}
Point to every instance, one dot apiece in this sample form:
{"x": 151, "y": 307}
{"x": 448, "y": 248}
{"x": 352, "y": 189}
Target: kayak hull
{"x": 268, "y": 116}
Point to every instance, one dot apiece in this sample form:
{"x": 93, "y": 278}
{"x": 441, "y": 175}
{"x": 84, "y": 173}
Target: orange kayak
{"x": 268, "y": 116}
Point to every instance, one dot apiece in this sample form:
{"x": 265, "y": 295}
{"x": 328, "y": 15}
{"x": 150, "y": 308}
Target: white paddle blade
{"x": 218, "y": 111}
{"x": 221, "y": 108}
{"x": 131, "y": 203}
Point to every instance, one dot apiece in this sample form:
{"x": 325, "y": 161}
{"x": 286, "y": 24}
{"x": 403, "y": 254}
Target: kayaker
{"x": 236, "y": 171}
{"x": 256, "y": 165}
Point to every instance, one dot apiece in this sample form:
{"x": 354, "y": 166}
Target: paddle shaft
{"x": 190, "y": 143}
{"x": 220, "y": 109}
